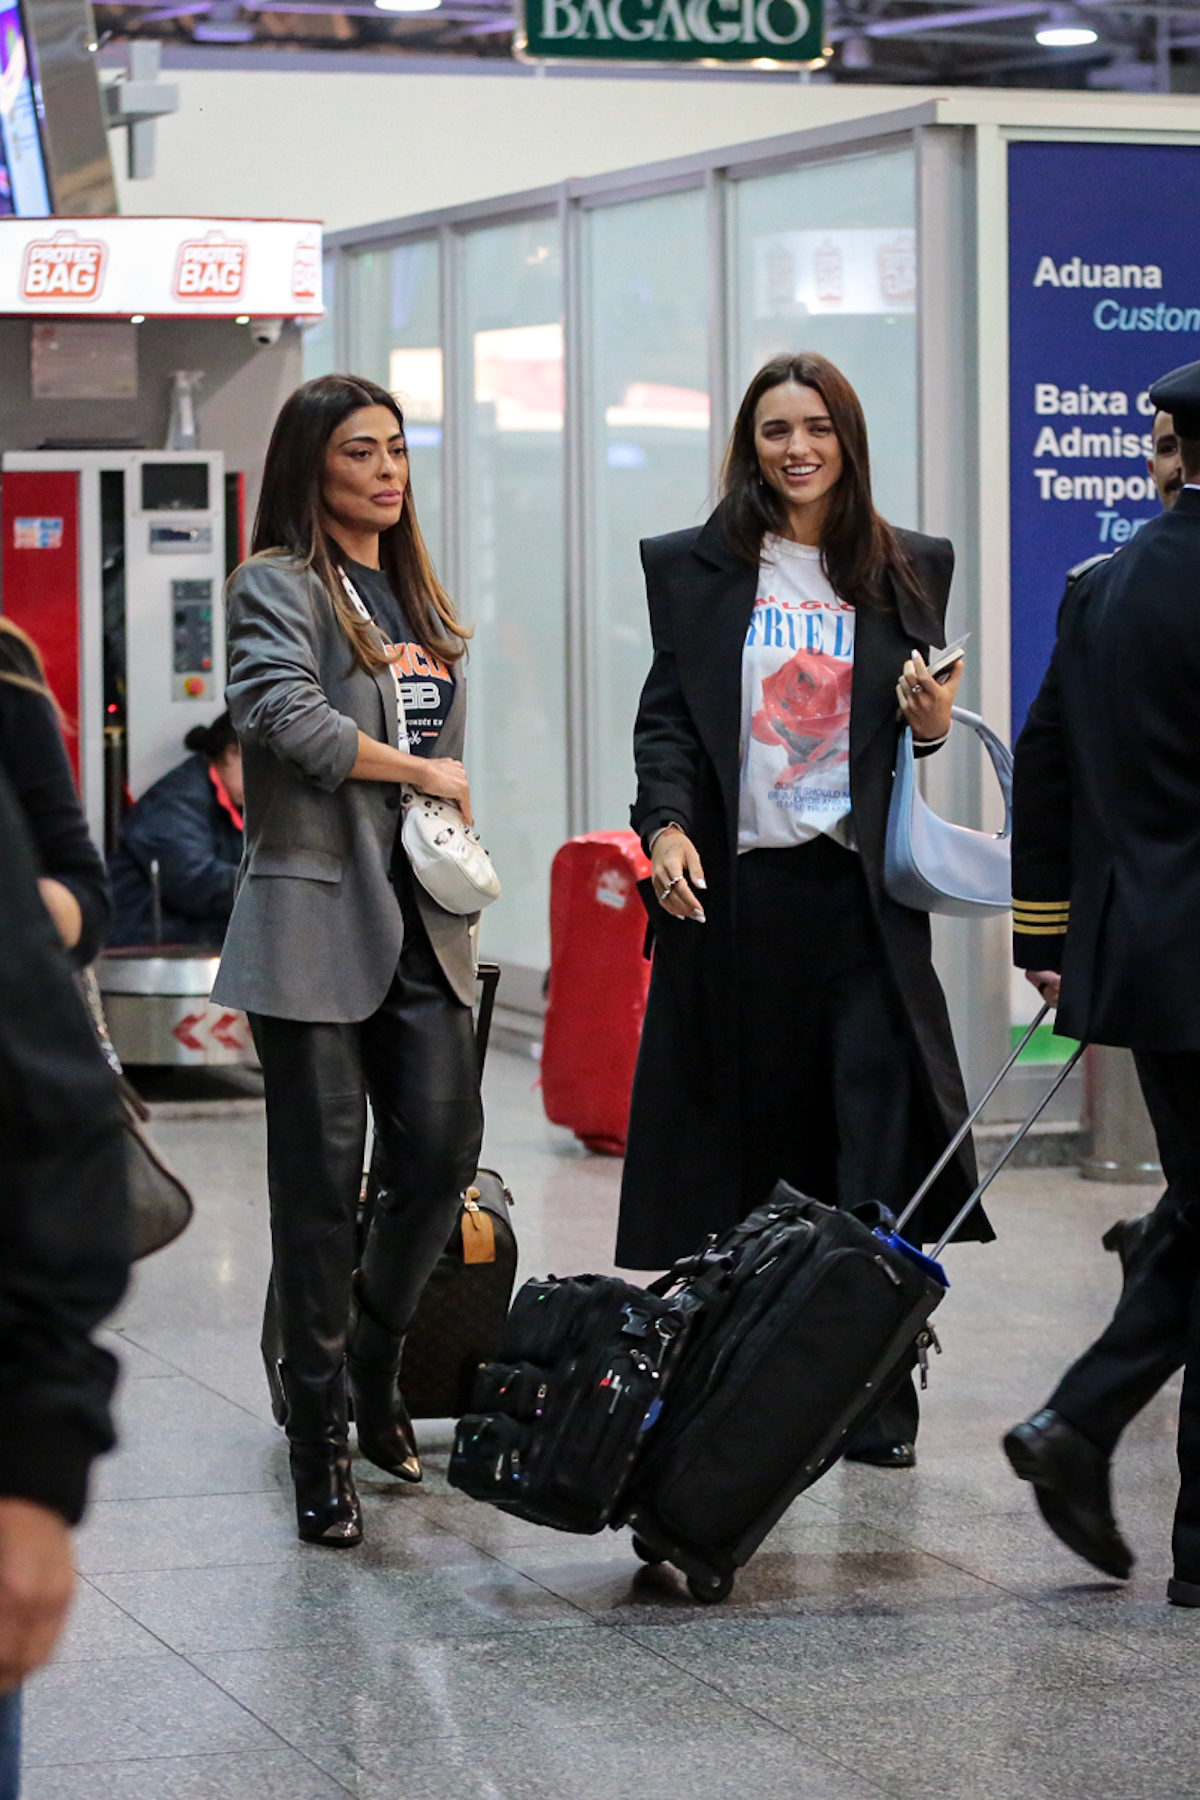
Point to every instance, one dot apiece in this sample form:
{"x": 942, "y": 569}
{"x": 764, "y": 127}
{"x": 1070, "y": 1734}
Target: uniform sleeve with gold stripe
{"x": 1041, "y": 844}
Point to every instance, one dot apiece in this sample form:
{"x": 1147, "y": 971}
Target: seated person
{"x": 190, "y": 822}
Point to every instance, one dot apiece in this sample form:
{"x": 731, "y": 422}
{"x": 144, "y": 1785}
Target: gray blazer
{"x": 316, "y": 928}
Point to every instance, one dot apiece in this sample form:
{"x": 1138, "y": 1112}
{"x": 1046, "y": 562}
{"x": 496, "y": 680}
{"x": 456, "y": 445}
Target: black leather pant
{"x": 1155, "y": 1329}
{"x": 415, "y": 1059}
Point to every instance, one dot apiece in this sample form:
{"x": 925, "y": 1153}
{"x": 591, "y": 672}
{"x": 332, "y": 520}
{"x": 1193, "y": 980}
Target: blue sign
{"x": 1104, "y": 297}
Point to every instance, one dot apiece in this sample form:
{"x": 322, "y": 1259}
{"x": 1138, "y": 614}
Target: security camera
{"x": 266, "y": 331}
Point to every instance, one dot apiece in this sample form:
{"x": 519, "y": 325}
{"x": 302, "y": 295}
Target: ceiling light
{"x": 242, "y": 319}
{"x": 223, "y": 25}
{"x": 407, "y": 6}
{"x": 137, "y": 319}
{"x": 1063, "y": 31}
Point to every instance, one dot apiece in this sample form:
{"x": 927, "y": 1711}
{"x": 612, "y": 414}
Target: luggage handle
{"x": 488, "y": 976}
{"x": 969, "y": 1122}
{"x": 970, "y": 1205}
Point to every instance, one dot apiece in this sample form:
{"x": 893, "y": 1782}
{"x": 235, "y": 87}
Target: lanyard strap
{"x": 363, "y": 612}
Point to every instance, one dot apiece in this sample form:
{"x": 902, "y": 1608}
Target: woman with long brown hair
{"x": 33, "y": 754}
{"x": 345, "y": 681}
{"x": 795, "y": 1028}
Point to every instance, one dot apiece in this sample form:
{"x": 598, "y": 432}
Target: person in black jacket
{"x": 63, "y": 1265}
{"x": 71, "y": 877}
{"x": 1106, "y": 915}
{"x": 795, "y": 1027}
{"x": 190, "y": 824}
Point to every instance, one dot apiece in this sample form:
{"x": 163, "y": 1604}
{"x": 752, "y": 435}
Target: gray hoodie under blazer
{"x": 316, "y": 928}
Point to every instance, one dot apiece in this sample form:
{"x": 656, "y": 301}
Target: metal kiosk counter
{"x": 156, "y": 1001}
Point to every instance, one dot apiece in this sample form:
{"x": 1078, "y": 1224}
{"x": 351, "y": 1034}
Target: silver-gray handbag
{"x": 934, "y": 866}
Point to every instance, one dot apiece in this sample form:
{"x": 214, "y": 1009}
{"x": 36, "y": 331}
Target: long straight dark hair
{"x": 21, "y": 665}
{"x": 288, "y": 521}
{"x": 858, "y": 547}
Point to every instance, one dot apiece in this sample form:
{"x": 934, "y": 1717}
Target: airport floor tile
{"x": 899, "y": 1634}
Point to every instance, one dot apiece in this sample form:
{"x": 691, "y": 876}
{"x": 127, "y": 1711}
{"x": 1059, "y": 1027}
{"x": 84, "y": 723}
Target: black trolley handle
{"x": 969, "y": 1205}
{"x": 488, "y": 976}
{"x": 965, "y": 1128}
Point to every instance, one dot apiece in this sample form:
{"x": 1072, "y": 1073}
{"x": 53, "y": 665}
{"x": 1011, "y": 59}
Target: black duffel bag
{"x": 558, "y": 1420}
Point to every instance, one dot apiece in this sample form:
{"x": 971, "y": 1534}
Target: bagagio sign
{"x": 788, "y": 31}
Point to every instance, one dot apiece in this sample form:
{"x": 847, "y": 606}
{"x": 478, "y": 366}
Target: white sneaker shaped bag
{"x": 446, "y": 855}
{"x": 445, "y": 852}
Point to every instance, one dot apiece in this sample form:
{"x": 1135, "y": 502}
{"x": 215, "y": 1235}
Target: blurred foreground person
{"x": 63, "y": 1267}
{"x": 33, "y": 756}
{"x": 190, "y": 824}
{"x": 1106, "y": 913}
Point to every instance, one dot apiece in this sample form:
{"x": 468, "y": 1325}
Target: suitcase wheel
{"x": 709, "y": 1590}
{"x": 642, "y": 1549}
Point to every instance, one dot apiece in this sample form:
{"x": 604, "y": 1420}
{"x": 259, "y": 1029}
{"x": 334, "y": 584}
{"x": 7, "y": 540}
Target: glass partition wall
{"x": 647, "y": 416}
{"x": 569, "y": 362}
{"x": 510, "y": 508}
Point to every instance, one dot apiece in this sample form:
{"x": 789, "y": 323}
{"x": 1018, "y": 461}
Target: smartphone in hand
{"x": 945, "y": 660}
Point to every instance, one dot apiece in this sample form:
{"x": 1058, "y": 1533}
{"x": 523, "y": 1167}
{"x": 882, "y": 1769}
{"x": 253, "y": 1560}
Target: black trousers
{"x": 415, "y": 1059}
{"x": 1156, "y": 1327}
{"x": 824, "y": 1047}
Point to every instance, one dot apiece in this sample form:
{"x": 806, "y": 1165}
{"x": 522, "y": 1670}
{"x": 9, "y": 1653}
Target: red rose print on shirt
{"x": 806, "y": 709}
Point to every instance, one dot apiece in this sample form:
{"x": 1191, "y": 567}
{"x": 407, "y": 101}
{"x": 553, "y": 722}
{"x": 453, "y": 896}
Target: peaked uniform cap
{"x": 1179, "y": 394}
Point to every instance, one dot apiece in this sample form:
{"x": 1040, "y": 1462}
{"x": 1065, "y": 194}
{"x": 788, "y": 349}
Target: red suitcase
{"x": 598, "y": 981}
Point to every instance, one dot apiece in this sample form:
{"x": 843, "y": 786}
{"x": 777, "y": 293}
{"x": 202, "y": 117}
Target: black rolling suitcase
{"x": 816, "y": 1315}
{"x": 789, "y": 1332}
{"x": 801, "y": 1313}
{"x": 463, "y": 1308}
{"x": 781, "y": 1375}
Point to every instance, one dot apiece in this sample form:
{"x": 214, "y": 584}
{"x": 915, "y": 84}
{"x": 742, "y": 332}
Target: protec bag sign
{"x": 64, "y": 267}
{"x": 160, "y": 267}
{"x": 723, "y": 31}
{"x": 1104, "y": 297}
{"x": 211, "y": 268}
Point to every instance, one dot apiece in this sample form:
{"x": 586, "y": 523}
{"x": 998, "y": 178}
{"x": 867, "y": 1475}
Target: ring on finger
{"x": 663, "y": 892}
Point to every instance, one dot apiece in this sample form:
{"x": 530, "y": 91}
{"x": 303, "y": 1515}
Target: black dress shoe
{"x": 1183, "y": 1593}
{"x": 883, "y": 1456}
{"x": 1070, "y": 1484}
{"x": 1127, "y": 1239}
{"x": 385, "y": 1431}
{"x": 327, "y": 1508}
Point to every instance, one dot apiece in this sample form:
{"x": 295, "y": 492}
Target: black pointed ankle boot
{"x": 385, "y": 1431}
{"x": 327, "y": 1508}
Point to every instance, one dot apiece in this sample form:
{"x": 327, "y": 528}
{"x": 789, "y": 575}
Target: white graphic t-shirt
{"x": 797, "y": 669}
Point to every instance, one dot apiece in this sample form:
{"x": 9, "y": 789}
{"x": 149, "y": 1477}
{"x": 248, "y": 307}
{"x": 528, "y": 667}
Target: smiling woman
{"x": 358, "y": 984}
{"x": 795, "y": 1028}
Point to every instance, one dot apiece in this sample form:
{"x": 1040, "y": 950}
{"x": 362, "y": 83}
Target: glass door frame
{"x": 951, "y": 378}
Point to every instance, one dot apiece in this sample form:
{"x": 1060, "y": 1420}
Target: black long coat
{"x": 682, "y": 1169}
{"x": 1106, "y": 801}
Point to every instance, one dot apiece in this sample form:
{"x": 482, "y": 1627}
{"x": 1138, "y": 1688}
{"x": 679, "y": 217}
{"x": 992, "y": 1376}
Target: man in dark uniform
{"x": 1106, "y": 880}
{"x": 1165, "y": 467}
